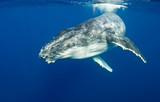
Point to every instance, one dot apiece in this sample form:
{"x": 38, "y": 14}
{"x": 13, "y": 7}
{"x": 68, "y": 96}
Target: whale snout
{"x": 43, "y": 54}
{"x": 49, "y": 52}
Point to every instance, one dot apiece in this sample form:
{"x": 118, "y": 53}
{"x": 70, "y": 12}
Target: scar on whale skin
{"x": 90, "y": 39}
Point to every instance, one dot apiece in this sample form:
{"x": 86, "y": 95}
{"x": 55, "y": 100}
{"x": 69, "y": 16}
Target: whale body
{"x": 90, "y": 39}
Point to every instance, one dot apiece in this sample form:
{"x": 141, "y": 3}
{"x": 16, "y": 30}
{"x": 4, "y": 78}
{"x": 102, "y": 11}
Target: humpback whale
{"x": 90, "y": 39}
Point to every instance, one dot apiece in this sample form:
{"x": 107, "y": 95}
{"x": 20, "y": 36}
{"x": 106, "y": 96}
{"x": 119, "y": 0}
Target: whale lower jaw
{"x": 84, "y": 51}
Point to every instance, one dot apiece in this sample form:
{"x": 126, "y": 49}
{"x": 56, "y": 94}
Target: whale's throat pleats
{"x": 126, "y": 44}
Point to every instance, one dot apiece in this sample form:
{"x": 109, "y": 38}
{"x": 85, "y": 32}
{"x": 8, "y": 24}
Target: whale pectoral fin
{"x": 127, "y": 44}
{"x": 102, "y": 63}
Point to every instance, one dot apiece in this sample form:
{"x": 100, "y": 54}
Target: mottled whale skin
{"x": 89, "y": 39}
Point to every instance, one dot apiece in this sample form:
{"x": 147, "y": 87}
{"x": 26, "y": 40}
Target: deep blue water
{"x": 24, "y": 77}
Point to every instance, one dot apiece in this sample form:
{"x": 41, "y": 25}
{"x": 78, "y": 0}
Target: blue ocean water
{"x": 25, "y": 26}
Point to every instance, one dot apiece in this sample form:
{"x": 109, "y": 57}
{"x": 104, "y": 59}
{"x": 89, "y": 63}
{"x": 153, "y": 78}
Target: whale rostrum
{"x": 90, "y": 39}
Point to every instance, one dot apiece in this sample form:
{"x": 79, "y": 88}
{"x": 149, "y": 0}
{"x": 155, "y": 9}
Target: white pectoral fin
{"x": 127, "y": 44}
{"x": 102, "y": 63}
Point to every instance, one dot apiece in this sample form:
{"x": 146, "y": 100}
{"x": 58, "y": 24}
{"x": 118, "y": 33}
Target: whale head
{"x": 58, "y": 48}
{"x": 47, "y": 54}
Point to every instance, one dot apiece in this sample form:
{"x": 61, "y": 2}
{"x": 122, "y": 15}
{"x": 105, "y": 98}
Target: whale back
{"x": 112, "y": 24}
{"x": 107, "y": 22}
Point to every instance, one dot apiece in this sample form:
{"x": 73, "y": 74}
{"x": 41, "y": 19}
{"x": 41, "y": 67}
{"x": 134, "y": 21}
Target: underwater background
{"x": 26, "y": 25}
